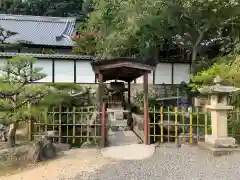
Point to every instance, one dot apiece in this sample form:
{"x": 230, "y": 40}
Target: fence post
{"x": 103, "y": 124}
{"x": 30, "y": 130}
{"x": 30, "y": 126}
{"x": 176, "y": 124}
{"x": 191, "y": 125}
{"x": 161, "y": 119}
{"x": 74, "y": 126}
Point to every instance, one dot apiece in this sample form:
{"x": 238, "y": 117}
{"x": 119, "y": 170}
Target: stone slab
{"x": 227, "y": 142}
{"x": 120, "y": 123}
{"x": 119, "y": 138}
{"x": 218, "y": 151}
{"x": 129, "y": 152}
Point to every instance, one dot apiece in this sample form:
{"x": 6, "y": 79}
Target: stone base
{"x": 228, "y": 142}
{"x": 218, "y": 151}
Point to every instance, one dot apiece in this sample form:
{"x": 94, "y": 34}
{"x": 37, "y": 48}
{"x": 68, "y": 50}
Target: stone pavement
{"x": 124, "y": 146}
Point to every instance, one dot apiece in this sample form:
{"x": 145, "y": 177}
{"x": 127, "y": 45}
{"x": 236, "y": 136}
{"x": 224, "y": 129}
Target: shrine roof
{"x": 124, "y": 68}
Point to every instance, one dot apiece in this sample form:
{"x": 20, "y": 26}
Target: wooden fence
{"x": 168, "y": 124}
{"x": 78, "y": 125}
{"x": 73, "y": 125}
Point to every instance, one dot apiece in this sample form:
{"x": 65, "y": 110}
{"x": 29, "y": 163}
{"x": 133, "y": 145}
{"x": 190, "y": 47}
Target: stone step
{"x": 122, "y": 138}
{"x": 119, "y": 123}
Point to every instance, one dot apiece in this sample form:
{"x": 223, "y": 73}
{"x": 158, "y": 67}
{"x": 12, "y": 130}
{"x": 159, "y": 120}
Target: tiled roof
{"x": 40, "y": 30}
{"x": 49, "y": 56}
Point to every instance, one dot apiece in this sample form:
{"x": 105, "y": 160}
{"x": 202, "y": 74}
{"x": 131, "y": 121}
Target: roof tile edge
{"x": 48, "y": 56}
{"x": 37, "y": 18}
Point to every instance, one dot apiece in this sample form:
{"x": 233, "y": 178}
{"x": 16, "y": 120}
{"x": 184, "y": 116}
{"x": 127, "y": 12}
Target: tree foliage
{"x": 85, "y": 44}
{"x": 63, "y": 8}
{"x": 17, "y": 92}
{"x": 125, "y": 27}
{"x": 139, "y": 28}
{"x": 199, "y": 24}
{"x": 227, "y": 67}
{"x": 16, "y": 89}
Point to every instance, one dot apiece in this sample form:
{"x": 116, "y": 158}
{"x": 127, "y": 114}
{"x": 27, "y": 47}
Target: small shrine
{"x": 218, "y": 106}
{"x": 116, "y": 99}
{"x": 123, "y": 71}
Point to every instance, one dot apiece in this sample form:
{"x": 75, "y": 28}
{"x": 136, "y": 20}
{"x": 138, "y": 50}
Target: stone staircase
{"x": 117, "y": 134}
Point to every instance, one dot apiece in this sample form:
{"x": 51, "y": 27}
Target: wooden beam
{"x": 124, "y": 64}
{"x": 146, "y": 113}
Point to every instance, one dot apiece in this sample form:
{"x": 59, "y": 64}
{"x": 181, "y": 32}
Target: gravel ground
{"x": 171, "y": 163}
{"x": 67, "y": 167}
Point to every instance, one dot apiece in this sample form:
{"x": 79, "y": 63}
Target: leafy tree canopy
{"x": 16, "y": 89}
{"x": 59, "y": 8}
{"x": 140, "y": 27}
{"x": 228, "y": 68}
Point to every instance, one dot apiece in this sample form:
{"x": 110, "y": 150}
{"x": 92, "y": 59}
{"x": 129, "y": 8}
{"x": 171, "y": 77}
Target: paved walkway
{"x": 124, "y": 145}
{"x": 129, "y": 152}
{"x": 121, "y": 138}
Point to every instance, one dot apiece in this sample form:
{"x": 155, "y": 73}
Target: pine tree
{"x": 17, "y": 92}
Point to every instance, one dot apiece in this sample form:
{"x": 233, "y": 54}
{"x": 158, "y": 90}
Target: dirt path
{"x": 76, "y": 162}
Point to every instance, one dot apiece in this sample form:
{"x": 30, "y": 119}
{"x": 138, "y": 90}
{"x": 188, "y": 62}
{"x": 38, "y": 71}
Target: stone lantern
{"x": 219, "y": 106}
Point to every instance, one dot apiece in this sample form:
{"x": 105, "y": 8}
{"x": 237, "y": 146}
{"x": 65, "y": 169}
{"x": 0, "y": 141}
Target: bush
{"x": 152, "y": 102}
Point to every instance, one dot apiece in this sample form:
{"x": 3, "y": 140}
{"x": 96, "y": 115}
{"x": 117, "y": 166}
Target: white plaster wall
{"x": 64, "y": 71}
{"x": 150, "y": 79}
{"x": 46, "y": 64}
{"x": 181, "y": 72}
{"x": 84, "y": 72}
{"x": 163, "y": 73}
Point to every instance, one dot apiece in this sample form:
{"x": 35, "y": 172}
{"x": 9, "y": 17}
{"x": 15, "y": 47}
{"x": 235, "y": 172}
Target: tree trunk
{"x": 195, "y": 51}
{"x": 12, "y": 134}
{"x": 193, "y": 60}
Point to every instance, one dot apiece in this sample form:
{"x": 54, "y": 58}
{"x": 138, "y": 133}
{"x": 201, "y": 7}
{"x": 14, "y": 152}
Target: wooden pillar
{"x": 146, "y": 113}
{"x": 100, "y": 88}
{"x": 101, "y": 110}
{"x": 129, "y": 96}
